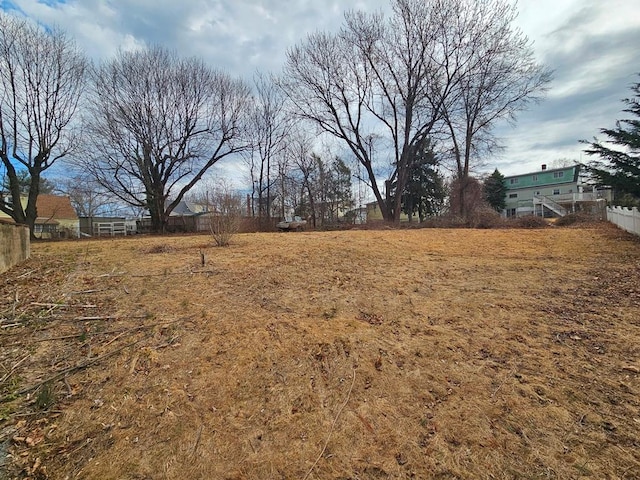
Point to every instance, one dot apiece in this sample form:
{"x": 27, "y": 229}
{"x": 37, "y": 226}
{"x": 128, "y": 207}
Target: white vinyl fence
{"x": 626, "y": 218}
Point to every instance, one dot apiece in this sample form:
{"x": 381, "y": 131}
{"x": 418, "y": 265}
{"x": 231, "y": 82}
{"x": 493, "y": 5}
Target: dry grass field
{"x": 447, "y": 354}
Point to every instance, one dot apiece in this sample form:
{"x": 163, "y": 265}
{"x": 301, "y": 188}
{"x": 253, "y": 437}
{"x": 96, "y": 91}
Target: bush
{"x": 225, "y": 219}
{"x": 485, "y": 217}
{"x": 574, "y": 218}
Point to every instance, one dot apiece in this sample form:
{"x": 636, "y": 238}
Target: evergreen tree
{"x": 619, "y": 168}
{"x": 425, "y": 190}
{"x": 495, "y": 191}
{"x": 23, "y": 179}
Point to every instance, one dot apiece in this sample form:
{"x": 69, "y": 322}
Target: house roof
{"x": 46, "y": 221}
{"x": 55, "y": 207}
{"x": 186, "y": 208}
{"x": 575, "y": 169}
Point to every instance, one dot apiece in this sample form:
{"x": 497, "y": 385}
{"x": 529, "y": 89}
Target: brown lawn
{"x": 337, "y": 355}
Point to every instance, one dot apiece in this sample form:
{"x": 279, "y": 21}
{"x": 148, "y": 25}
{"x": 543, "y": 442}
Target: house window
{"x": 534, "y": 178}
{"x": 511, "y": 212}
{"x": 558, "y": 174}
{"x": 556, "y": 191}
{"x": 45, "y": 228}
{"x": 513, "y": 181}
{"x": 513, "y": 195}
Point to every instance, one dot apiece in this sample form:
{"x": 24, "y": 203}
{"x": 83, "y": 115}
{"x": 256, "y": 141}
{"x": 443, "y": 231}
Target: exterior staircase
{"x": 550, "y": 204}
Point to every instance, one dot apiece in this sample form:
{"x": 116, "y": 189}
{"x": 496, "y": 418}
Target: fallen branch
{"x": 26, "y": 274}
{"x": 335, "y": 420}
{"x": 107, "y": 275}
{"x": 15, "y": 304}
{"x": 88, "y": 291}
{"x": 197, "y": 443}
{"x": 193, "y": 272}
{"x": 106, "y": 332}
{"x": 90, "y": 319}
{"x": 82, "y": 366}
{"x": 509, "y": 375}
{"x": 13, "y": 369}
{"x": 61, "y": 305}
{"x": 12, "y": 325}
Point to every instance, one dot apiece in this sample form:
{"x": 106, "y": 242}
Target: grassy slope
{"x": 459, "y": 354}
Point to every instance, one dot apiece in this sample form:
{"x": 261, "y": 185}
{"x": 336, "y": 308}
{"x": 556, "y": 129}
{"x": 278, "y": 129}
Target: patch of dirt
{"x": 426, "y": 353}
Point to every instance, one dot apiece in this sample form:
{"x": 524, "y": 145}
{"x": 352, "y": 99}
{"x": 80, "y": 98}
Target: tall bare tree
{"x": 269, "y": 126}
{"x": 160, "y": 123}
{"x": 42, "y": 77}
{"x": 398, "y": 78}
{"x": 499, "y": 78}
{"x": 378, "y": 77}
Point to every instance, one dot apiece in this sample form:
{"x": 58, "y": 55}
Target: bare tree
{"x": 378, "y": 77}
{"x": 225, "y": 213}
{"x": 160, "y": 123}
{"x": 269, "y": 126}
{"x": 300, "y": 155}
{"x": 88, "y": 198}
{"x": 397, "y": 78}
{"x": 499, "y": 78}
{"x": 42, "y": 77}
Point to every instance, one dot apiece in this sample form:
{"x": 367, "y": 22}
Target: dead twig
{"x": 15, "y": 304}
{"x": 115, "y": 338}
{"x": 335, "y": 420}
{"x": 91, "y": 319}
{"x": 106, "y": 332}
{"x": 66, "y": 383}
{"x": 88, "y": 291}
{"x": 26, "y": 274}
{"x": 76, "y": 368}
{"x": 511, "y": 372}
{"x": 191, "y": 272}
{"x": 198, "y": 436}
{"x": 61, "y": 305}
{"x": 107, "y": 275}
{"x": 13, "y": 369}
{"x": 10, "y": 325}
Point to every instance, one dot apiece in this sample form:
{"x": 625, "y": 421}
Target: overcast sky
{"x": 593, "y": 46}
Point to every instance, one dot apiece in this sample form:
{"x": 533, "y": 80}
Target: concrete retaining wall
{"x": 15, "y": 246}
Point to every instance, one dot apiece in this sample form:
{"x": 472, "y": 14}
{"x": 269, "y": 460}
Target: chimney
{"x": 544, "y": 167}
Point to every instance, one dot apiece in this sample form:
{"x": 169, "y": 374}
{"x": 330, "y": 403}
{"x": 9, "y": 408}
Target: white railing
{"x": 626, "y": 218}
{"x": 550, "y": 204}
{"x": 578, "y": 197}
{"x": 109, "y": 228}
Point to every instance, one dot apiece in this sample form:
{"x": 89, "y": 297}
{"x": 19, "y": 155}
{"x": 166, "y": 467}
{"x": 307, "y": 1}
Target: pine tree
{"x": 495, "y": 191}
{"x": 425, "y": 190}
{"x": 619, "y": 168}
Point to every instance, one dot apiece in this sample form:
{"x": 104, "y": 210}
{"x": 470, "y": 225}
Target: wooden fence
{"x": 626, "y": 218}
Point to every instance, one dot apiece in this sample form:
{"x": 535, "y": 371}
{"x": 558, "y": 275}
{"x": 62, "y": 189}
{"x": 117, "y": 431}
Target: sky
{"x": 592, "y": 46}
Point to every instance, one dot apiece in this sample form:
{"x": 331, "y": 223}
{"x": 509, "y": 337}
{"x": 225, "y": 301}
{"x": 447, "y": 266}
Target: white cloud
{"x": 592, "y": 45}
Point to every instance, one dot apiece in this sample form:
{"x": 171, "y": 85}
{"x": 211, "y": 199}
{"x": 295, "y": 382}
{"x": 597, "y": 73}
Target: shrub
{"x": 226, "y": 216}
{"x": 484, "y": 216}
{"x": 574, "y": 218}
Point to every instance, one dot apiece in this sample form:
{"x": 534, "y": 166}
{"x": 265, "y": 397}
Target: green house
{"x": 551, "y": 193}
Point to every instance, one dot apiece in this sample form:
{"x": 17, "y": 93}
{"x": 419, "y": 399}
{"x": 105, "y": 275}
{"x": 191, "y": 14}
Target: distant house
{"x": 551, "y": 193}
{"x": 185, "y": 208}
{"x": 190, "y": 217}
{"x": 56, "y": 217}
{"x": 374, "y": 214}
